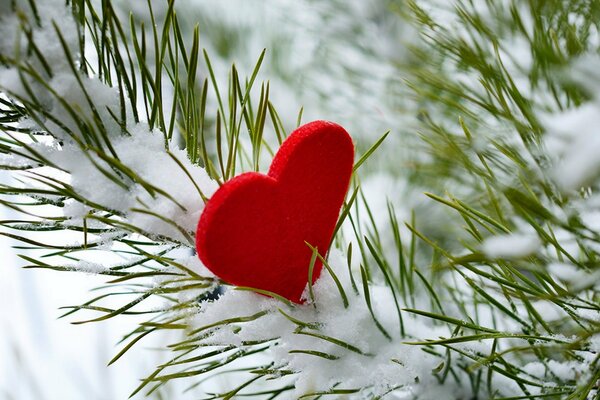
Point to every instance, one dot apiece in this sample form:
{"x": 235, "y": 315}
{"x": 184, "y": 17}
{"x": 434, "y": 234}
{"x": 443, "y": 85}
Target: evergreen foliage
{"x": 116, "y": 132}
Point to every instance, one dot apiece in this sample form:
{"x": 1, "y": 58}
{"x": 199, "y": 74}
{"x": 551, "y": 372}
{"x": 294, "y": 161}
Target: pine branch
{"x": 461, "y": 302}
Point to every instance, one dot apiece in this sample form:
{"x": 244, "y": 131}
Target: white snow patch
{"x": 90, "y": 267}
{"x": 513, "y": 245}
{"x": 575, "y": 142}
{"x": 145, "y": 154}
{"x": 14, "y": 42}
{"x": 566, "y": 272}
{"x": 383, "y": 363}
{"x": 548, "y": 310}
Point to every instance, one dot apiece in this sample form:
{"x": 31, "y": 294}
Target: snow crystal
{"x": 88, "y": 266}
{"x": 514, "y": 245}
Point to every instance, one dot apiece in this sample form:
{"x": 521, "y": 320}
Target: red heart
{"x": 252, "y": 231}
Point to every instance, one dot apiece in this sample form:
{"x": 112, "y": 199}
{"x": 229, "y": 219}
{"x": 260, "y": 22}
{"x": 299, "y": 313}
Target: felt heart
{"x": 253, "y": 230}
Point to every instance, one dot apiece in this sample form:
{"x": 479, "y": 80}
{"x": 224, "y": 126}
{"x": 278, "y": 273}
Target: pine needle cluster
{"x": 116, "y": 132}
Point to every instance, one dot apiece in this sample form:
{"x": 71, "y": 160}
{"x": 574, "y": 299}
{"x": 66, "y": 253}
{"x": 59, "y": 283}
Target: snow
{"x": 595, "y": 343}
{"x": 585, "y": 71}
{"x": 590, "y": 315}
{"x": 13, "y": 43}
{"x": 90, "y": 267}
{"x": 144, "y": 153}
{"x": 572, "y": 139}
{"x": 548, "y": 310}
{"x": 40, "y": 345}
{"x": 567, "y": 370}
{"x": 550, "y": 370}
{"x": 567, "y": 272}
{"x": 513, "y": 245}
{"x": 383, "y": 363}
{"x": 575, "y": 142}
{"x": 45, "y": 359}
{"x": 536, "y": 369}
{"x": 74, "y": 98}
{"x": 13, "y": 162}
